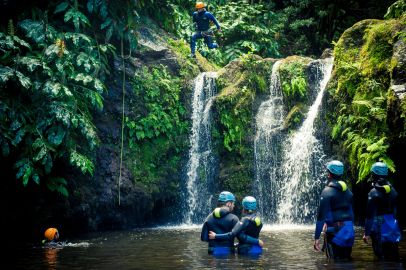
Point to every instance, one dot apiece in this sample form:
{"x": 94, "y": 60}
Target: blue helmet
{"x": 249, "y": 203}
{"x": 379, "y": 168}
{"x": 226, "y": 196}
{"x": 335, "y": 167}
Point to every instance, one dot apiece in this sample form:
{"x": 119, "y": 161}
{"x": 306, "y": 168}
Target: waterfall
{"x": 289, "y": 168}
{"x": 302, "y": 163}
{"x": 201, "y": 163}
{"x": 267, "y": 142}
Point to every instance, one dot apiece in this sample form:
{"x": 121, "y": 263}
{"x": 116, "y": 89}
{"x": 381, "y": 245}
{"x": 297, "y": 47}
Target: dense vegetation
{"x": 360, "y": 88}
{"x": 56, "y": 58}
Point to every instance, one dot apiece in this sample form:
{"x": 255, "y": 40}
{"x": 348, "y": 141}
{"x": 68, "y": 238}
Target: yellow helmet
{"x": 51, "y": 234}
{"x": 200, "y": 5}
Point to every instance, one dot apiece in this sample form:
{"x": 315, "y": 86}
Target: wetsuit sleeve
{"x": 240, "y": 232}
{"x": 242, "y": 237}
{"x": 238, "y": 227}
{"x": 213, "y": 19}
{"x": 204, "y": 236}
{"x": 371, "y": 212}
{"x": 324, "y": 210}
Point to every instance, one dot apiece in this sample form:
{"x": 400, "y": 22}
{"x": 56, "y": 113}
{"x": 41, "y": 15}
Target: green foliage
{"x": 116, "y": 20}
{"x": 361, "y": 82}
{"x": 378, "y": 48}
{"x": 50, "y": 86}
{"x": 247, "y": 28}
{"x": 396, "y": 10}
{"x": 158, "y": 126}
{"x": 293, "y": 80}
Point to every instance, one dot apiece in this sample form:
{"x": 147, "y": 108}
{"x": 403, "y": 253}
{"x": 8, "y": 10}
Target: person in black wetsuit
{"x": 202, "y": 19}
{"x": 335, "y": 216}
{"x": 381, "y": 225}
{"x": 221, "y": 220}
{"x": 247, "y": 230}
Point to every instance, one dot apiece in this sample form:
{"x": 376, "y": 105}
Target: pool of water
{"x": 286, "y": 247}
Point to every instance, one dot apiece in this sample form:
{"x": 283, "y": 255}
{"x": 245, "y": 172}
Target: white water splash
{"x": 200, "y": 165}
{"x": 300, "y": 149}
{"x": 269, "y": 123}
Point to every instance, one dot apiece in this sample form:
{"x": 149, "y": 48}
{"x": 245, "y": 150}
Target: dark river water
{"x": 287, "y": 247}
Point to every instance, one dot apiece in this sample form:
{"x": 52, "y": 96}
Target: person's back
{"x": 221, "y": 220}
{"x": 381, "y": 223}
{"x": 340, "y": 203}
{"x": 249, "y": 242}
{"x": 247, "y": 230}
{"x": 335, "y": 215}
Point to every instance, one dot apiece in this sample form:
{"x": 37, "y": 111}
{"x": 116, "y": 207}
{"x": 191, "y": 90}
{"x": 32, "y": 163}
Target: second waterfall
{"x": 289, "y": 167}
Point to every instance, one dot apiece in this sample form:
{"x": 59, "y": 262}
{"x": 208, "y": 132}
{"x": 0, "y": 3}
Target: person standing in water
{"x": 247, "y": 230}
{"x": 335, "y": 215}
{"x": 381, "y": 225}
{"x": 221, "y": 220}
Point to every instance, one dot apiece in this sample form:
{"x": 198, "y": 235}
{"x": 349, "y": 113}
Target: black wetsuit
{"x": 220, "y": 221}
{"x": 335, "y": 210}
{"x": 381, "y": 208}
{"x": 202, "y": 20}
{"x": 247, "y": 231}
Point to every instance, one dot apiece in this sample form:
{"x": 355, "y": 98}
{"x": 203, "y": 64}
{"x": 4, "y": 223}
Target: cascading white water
{"x": 302, "y": 163}
{"x": 268, "y": 138}
{"x": 200, "y": 166}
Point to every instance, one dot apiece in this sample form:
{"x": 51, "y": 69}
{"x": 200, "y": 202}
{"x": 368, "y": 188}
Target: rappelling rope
{"x": 122, "y": 123}
{"x": 122, "y": 117}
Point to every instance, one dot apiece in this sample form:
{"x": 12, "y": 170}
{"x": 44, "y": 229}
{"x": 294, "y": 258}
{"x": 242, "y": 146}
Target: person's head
{"x": 226, "y": 198}
{"x": 335, "y": 169}
{"x": 249, "y": 204}
{"x": 379, "y": 170}
{"x": 200, "y": 6}
{"x": 51, "y": 234}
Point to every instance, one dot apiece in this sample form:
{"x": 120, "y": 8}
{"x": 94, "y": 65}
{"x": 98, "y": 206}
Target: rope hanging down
{"x": 122, "y": 116}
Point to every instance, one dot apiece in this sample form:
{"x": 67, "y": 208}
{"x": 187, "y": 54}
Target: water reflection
{"x": 286, "y": 247}
{"x": 51, "y": 257}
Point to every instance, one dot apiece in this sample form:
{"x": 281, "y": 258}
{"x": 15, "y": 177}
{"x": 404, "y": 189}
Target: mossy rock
{"x": 239, "y": 84}
{"x": 364, "y": 115}
{"x": 293, "y": 78}
{"x": 295, "y": 117}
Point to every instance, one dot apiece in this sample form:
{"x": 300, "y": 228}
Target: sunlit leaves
{"x": 82, "y": 162}
{"x": 76, "y": 17}
{"x": 50, "y": 85}
{"x": 5, "y": 74}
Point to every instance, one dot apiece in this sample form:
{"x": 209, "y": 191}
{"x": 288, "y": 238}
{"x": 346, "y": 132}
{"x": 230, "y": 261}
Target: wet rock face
{"x": 399, "y": 57}
{"x": 100, "y": 202}
{"x": 399, "y": 71}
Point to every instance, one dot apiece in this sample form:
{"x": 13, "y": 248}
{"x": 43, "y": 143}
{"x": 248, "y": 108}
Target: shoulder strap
{"x": 387, "y": 188}
{"x": 216, "y": 212}
{"x": 343, "y": 185}
{"x": 256, "y": 220}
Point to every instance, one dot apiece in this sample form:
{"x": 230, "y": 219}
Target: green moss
{"x": 359, "y": 85}
{"x": 376, "y": 53}
{"x": 295, "y": 117}
{"x": 294, "y": 80}
{"x": 238, "y": 83}
{"x": 190, "y": 67}
{"x": 156, "y": 129}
